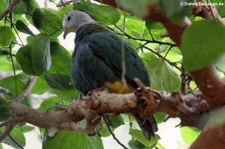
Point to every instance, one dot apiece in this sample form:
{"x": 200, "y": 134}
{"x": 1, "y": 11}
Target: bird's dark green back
{"x": 97, "y": 59}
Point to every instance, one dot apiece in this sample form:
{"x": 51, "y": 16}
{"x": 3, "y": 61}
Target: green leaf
{"x": 156, "y": 29}
{"x": 75, "y": 140}
{"x": 3, "y": 6}
{"x": 115, "y": 121}
{"x": 139, "y": 8}
{"x": 58, "y": 81}
{"x": 5, "y": 111}
{"x": 175, "y": 9}
{"x": 31, "y": 6}
{"x": 94, "y": 142}
{"x": 134, "y": 144}
{"x": 6, "y": 65}
{"x": 162, "y": 75}
{"x": 40, "y": 86}
{"x": 103, "y": 130}
{"x": 17, "y": 136}
{"x": 61, "y": 60}
{"x": 21, "y": 26}
{"x": 189, "y": 134}
{"x": 61, "y": 85}
{"x": 47, "y": 21}
{"x": 40, "y": 53}
{"x": 30, "y": 39}
{"x": 103, "y": 14}
{"x": 62, "y": 11}
{"x": 220, "y": 65}
{"x": 134, "y": 26}
{"x": 137, "y": 134}
{"x": 220, "y": 7}
{"x": 68, "y": 95}
{"x": 23, "y": 57}
{"x": 20, "y": 8}
{"x": 206, "y": 48}
{"x": 160, "y": 117}
{"x": 25, "y": 128}
{"x": 7, "y": 36}
{"x": 5, "y": 91}
{"x": 14, "y": 84}
{"x": 49, "y": 102}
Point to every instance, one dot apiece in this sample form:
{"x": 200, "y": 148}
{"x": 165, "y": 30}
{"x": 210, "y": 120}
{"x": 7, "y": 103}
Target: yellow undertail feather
{"x": 119, "y": 87}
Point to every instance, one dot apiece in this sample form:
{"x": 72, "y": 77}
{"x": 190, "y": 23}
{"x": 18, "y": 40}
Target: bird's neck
{"x": 84, "y": 21}
{"x": 89, "y": 29}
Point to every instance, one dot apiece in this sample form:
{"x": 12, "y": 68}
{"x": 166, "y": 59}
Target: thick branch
{"x": 211, "y": 84}
{"x": 39, "y": 118}
{"x": 208, "y": 139}
{"x": 105, "y": 102}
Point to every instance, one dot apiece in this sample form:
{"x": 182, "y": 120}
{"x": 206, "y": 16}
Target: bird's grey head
{"x": 74, "y": 20}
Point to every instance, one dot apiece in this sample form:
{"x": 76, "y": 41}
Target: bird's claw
{"x": 147, "y": 98}
{"x": 92, "y": 119}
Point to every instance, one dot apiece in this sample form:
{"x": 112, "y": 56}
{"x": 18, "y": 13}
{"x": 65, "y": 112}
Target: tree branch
{"x": 113, "y": 135}
{"x": 27, "y": 90}
{"x": 9, "y": 9}
{"x": 7, "y": 131}
{"x": 142, "y": 39}
{"x": 104, "y": 102}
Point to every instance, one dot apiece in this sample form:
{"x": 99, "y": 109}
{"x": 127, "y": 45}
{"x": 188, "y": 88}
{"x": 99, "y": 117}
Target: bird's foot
{"x": 147, "y": 98}
{"x": 95, "y": 91}
{"x": 201, "y": 107}
{"x": 92, "y": 119}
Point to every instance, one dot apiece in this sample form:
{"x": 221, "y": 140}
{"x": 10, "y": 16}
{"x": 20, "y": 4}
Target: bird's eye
{"x": 68, "y": 18}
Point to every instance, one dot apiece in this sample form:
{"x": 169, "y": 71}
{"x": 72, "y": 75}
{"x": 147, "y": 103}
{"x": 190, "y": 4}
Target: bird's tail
{"x": 148, "y": 126}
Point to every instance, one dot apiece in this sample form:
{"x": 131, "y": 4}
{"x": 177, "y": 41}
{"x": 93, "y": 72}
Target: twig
{"x": 17, "y": 34}
{"x": 11, "y": 58}
{"x": 167, "y": 52}
{"x": 26, "y": 90}
{"x": 151, "y": 41}
{"x": 6, "y": 122}
{"x": 162, "y": 57}
{"x": 142, "y": 39}
{"x": 113, "y": 135}
{"x": 9, "y": 9}
{"x": 15, "y": 141}
{"x": 9, "y": 128}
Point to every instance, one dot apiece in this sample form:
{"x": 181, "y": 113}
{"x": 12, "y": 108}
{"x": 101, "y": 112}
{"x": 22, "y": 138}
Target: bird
{"x": 101, "y": 59}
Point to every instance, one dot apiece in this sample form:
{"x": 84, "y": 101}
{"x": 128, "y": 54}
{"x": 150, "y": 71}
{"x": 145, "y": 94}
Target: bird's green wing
{"x": 99, "y": 56}
{"x": 115, "y": 53}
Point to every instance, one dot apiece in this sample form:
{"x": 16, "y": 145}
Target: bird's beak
{"x": 65, "y": 33}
